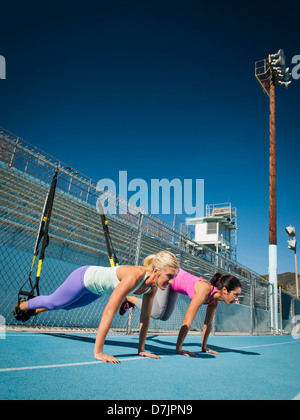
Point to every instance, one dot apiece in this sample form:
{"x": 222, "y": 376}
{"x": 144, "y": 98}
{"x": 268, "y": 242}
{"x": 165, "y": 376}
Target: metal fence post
{"x": 251, "y": 306}
{"x": 280, "y": 309}
{"x": 272, "y": 307}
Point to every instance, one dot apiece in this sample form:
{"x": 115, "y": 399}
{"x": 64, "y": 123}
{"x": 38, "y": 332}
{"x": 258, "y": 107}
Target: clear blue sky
{"x": 162, "y": 89}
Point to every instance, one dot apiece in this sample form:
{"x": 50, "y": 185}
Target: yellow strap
{"x": 34, "y": 257}
{"x": 39, "y": 268}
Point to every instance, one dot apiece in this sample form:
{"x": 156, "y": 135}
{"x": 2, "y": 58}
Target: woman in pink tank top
{"x": 220, "y": 288}
{"x": 201, "y": 292}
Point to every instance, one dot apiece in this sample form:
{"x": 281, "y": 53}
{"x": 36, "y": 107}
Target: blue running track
{"x": 54, "y": 366}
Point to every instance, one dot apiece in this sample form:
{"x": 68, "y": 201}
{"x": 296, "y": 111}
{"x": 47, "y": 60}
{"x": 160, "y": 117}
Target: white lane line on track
{"x": 14, "y": 369}
{"x": 267, "y": 345}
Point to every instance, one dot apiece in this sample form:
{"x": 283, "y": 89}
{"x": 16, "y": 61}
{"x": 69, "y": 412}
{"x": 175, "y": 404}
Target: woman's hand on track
{"x": 186, "y": 353}
{"x": 209, "y": 351}
{"x": 106, "y": 358}
{"x": 146, "y": 354}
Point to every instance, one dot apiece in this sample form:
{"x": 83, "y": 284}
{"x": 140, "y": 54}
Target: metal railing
{"x": 289, "y": 313}
{"x": 77, "y": 239}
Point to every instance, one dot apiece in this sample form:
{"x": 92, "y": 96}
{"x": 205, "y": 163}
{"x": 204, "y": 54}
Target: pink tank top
{"x": 184, "y": 283}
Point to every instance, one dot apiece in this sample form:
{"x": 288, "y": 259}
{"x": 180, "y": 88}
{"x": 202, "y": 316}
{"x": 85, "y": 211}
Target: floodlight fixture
{"x": 291, "y": 231}
{"x": 292, "y": 244}
{"x": 279, "y": 54}
{"x": 272, "y": 70}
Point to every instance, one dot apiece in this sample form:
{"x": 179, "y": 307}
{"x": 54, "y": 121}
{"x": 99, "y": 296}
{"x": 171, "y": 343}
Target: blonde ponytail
{"x": 148, "y": 263}
{"x": 160, "y": 261}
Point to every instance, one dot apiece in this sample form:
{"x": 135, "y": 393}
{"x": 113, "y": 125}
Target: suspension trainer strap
{"x": 113, "y": 259}
{"x": 41, "y": 239}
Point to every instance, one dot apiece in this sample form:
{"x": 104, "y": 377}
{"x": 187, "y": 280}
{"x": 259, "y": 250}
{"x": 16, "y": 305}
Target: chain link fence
{"x": 289, "y": 313}
{"x": 77, "y": 239}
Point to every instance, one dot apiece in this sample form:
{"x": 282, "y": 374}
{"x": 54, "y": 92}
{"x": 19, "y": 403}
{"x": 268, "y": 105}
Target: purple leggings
{"x": 70, "y": 295}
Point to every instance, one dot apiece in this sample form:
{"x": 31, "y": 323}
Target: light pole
{"x": 291, "y": 231}
{"x": 272, "y": 72}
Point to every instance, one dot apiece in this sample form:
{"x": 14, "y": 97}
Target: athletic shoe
{"x": 22, "y": 315}
{"x": 125, "y": 306}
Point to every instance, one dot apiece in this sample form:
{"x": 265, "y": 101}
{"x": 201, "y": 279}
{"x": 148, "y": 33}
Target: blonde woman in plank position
{"x": 88, "y": 283}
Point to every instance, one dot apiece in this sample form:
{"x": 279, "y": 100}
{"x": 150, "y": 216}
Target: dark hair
{"x": 228, "y": 281}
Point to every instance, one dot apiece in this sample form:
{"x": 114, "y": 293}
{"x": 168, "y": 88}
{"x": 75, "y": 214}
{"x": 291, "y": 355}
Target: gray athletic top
{"x": 104, "y": 280}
